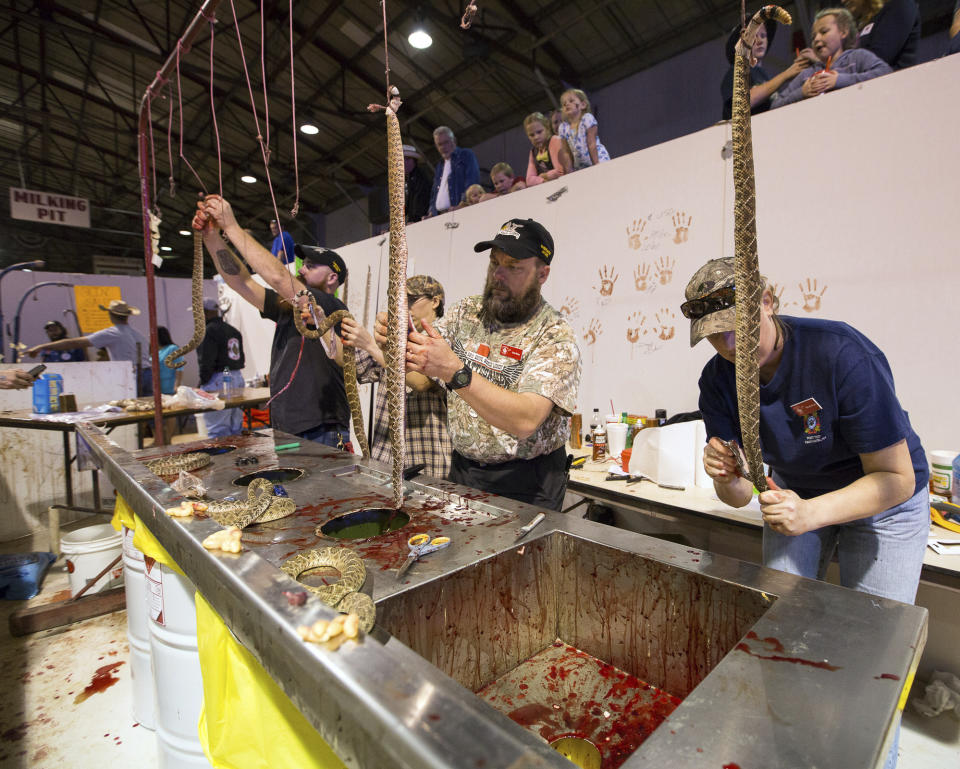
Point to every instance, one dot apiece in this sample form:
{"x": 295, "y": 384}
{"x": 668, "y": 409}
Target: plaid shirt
{"x": 425, "y": 436}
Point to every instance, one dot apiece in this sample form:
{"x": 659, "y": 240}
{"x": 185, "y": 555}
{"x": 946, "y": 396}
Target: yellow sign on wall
{"x": 90, "y": 317}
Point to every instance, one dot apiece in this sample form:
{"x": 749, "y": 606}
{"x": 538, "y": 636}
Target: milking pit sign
{"x": 49, "y": 208}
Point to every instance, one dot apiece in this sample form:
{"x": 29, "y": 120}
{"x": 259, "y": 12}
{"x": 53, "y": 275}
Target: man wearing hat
{"x": 310, "y": 399}
{"x": 426, "y": 438}
{"x": 220, "y": 355}
{"x": 417, "y": 185}
{"x": 119, "y": 339}
{"x": 56, "y": 331}
{"x": 511, "y": 365}
{"x": 283, "y": 246}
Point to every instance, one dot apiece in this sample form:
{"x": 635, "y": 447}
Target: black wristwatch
{"x": 460, "y": 379}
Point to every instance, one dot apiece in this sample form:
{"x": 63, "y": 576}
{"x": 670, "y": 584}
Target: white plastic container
{"x": 89, "y": 551}
{"x": 177, "y": 680}
{"x": 941, "y": 472}
{"x": 138, "y": 632}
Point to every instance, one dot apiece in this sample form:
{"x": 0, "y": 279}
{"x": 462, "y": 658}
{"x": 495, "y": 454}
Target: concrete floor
{"x": 50, "y": 719}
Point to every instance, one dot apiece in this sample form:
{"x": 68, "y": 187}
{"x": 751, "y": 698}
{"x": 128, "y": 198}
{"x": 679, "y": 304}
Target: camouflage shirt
{"x": 539, "y": 356}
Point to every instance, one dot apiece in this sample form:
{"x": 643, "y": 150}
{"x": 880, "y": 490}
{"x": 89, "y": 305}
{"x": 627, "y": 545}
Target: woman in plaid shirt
{"x": 427, "y": 441}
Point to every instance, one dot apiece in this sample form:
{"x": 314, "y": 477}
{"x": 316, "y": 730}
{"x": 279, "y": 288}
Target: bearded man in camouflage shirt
{"x": 512, "y": 366}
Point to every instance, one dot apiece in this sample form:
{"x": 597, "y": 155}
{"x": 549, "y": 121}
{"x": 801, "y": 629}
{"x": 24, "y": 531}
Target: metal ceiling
{"x": 76, "y": 70}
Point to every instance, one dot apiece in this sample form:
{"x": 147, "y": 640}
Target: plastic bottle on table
{"x": 226, "y": 390}
{"x": 599, "y": 442}
{"x": 595, "y": 422}
{"x": 955, "y": 486}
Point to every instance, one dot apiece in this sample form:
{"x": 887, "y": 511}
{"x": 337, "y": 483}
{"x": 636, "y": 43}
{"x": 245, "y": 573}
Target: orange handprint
{"x": 681, "y": 221}
{"x": 641, "y": 277}
{"x": 636, "y": 329}
{"x": 665, "y": 320}
{"x": 811, "y": 299}
{"x": 570, "y": 307}
{"x": 635, "y": 236}
{"x": 665, "y": 269}
{"x": 777, "y": 291}
{"x": 608, "y": 276}
{"x": 593, "y": 331}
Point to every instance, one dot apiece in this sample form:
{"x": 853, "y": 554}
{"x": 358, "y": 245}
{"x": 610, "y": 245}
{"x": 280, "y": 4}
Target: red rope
{"x": 293, "y": 373}
{"x": 173, "y": 187}
{"x": 180, "y": 104}
{"x": 213, "y": 116}
{"x": 153, "y": 163}
{"x": 263, "y": 76}
{"x": 293, "y": 107}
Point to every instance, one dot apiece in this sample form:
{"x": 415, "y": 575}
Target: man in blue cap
{"x": 512, "y": 367}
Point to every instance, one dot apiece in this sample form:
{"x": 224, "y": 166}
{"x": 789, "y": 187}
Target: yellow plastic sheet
{"x": 247, "y": 722}
{"x": 143, "y": 540}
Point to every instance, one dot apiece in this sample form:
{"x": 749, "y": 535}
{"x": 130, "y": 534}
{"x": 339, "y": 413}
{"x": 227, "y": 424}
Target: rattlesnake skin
{"x": 196, "y": 292}
{"x": 343, "y": 595}
{"x": 349, "y": 363}
{"x": 260, "y": 506}
{"x": 746, "y": 264}
{"x": 176, "y": 463}
{"x": 395, "y": 353}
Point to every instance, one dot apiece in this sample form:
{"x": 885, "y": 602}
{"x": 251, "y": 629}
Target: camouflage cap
{"x": 714, "y": 275}
{"x": 424, "y": 285}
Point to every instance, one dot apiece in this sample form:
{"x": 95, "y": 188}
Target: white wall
{"x": 856, "y": 192}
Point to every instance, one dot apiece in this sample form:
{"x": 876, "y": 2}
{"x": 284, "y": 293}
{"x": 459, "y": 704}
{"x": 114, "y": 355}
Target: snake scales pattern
{"x": 343, "y": 595}
{"x": 196, "y": 295}
{"x": 746, "y": 263}
{"x": 260, "y": 506}
{"x": 174, "y": 464}
{"x": 349, "y": 363}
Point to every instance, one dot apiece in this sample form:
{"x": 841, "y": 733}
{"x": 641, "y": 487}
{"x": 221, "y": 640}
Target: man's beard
{"x": 509, "y": 309}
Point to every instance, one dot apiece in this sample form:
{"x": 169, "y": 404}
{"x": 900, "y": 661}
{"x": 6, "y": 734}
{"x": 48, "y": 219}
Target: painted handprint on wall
{"x": 635, "y": 329}
{"x": 777, "y": 291}
{"x": 681, "y": 223}
{"x": 594, "y": 330}
{"x": 666, "y": 327}
{"x": 664, "y": 269}
{"x": 811, "y": 299}
{"x": 570, "y": 307}
{"x": 608, "y": 277}
{"x": 641, "y": 278}
{"x": 635, "y": 236}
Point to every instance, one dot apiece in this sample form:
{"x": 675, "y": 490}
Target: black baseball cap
{"x": 318, "y": 255}
{"x": 521, "y": 239}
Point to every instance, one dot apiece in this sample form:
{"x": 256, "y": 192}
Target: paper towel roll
{"x": 700, "y": 440}
{"x": 665, "y": 454}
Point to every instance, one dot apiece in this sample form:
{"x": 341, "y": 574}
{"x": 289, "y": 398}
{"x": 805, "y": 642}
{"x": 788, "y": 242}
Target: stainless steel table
{"x": 771, "y": 670}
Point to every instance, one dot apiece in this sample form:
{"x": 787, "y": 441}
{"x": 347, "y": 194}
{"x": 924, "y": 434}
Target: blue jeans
{"x": 330, "y": 434}
{"x": 882, "y": 554}
{"x": 228, "y": 421}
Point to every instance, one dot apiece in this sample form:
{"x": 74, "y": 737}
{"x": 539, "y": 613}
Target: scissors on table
{"x": 421, "y": 544}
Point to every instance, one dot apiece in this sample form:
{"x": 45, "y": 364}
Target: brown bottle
{"x": 600, "y": 443}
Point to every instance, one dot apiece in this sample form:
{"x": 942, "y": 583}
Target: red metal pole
{"x": 143, "y": 138}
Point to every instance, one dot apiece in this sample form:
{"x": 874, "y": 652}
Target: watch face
{"x": 461, "y": 378}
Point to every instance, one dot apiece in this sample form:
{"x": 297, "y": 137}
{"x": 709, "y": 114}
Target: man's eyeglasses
{"x": 718, "y": 300}
{"x": 412, "y": 299}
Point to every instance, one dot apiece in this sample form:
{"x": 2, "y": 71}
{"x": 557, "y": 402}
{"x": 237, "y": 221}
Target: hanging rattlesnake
{"x": 746, "y": 264}
{"x": 196, "y": 295}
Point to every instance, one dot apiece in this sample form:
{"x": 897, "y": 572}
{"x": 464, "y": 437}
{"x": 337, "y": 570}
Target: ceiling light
{"x": 309, "y": 129}
{"x": 249, "y": 179}
{"x": 184, "y": 232}
{"x": 419, "y": 38}
{"x": 166, "y": 248}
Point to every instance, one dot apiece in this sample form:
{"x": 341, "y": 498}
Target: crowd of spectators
{"x": 859, "y": 41}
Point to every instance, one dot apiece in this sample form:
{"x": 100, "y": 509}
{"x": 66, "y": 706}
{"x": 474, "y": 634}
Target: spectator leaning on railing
{"x": 834, "y": 35}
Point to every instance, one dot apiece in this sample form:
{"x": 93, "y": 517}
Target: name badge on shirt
{"x": 809, "y": 411}
{"x": 511, "y": 352}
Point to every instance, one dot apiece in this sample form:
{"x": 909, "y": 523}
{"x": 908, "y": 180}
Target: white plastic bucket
{"x": 177, "y": 680}
{"x": 138, "y": 632}
{"x": 89, "y": 551}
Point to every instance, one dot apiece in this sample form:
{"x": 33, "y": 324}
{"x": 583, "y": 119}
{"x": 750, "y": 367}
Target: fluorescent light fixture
{"x": 249, "y": 179}
{"x": 309, "y": 128}
{"x": 184, "y": 232}
{"x": 166, "y": 248}
{"x": 420, "y": 39}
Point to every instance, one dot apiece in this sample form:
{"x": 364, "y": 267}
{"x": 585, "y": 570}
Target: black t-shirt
{"x": 316, "y": 395}
{"x": 419, "y": 185}
{"x": 758, "y": 75}
{"x": 222, "y": 347}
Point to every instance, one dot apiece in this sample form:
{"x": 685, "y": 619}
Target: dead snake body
{"x": 196, "y": 292}
{"x": 746, "y": 263}
{"x": 349, "y": 362}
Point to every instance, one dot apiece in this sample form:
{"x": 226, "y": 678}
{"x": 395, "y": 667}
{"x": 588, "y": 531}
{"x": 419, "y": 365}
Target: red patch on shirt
{"x": 806, "y": 407}
{"x": 511, "y": 352}
{"x": 483, "y": 350}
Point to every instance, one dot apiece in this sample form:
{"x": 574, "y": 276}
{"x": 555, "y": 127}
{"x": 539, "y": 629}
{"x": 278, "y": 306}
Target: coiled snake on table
{"x": 746, "y": 264}
{"x": 349, "y": 361}
{"x": 260, "y": 506}
{"x": 344, "y": 595}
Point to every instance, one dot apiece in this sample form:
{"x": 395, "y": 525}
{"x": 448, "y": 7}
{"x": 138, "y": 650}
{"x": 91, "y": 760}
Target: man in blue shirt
{"x": 283, "y": 246}
{"x": 457, "y": 171}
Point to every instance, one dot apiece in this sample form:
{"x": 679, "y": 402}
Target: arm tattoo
{"x": 226, "y": 262}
